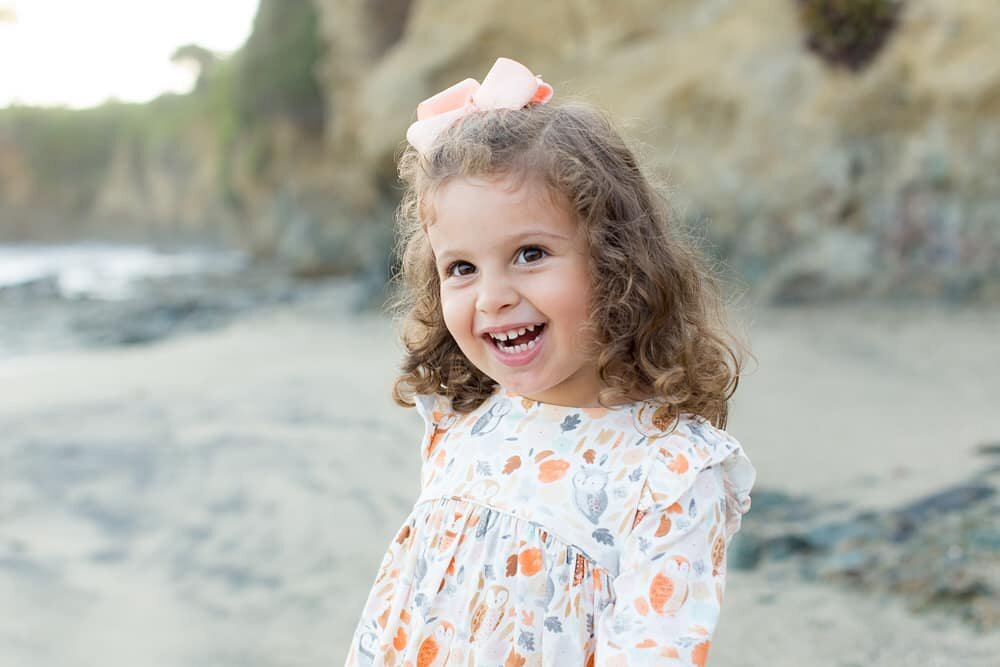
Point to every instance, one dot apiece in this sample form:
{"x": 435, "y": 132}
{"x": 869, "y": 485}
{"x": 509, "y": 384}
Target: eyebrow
{"x": 447, "y": 255}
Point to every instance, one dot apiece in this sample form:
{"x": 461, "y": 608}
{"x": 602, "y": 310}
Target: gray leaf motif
{"x": 553, "y": 624}
{"x": 526, "y": 640}
{"x": 483, "y": 468}
{"x": 604, "y": 536}
{"x": 635, "y": 474}
{"x": 420, "y": 571}
{"x": 367, "y": 648}
{"x": 488, "y": 521}
{"x": 687, "y": 641}
{"x": 699, "y": 431}
{"x": 692, "y": 508}
{"x": 571, "y": 422}
{"x": 491, "y": 418}
{"x": 421, "y": 602}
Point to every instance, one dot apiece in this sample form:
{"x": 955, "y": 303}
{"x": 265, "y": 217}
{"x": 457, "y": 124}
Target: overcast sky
{"x": 80, "y": 53}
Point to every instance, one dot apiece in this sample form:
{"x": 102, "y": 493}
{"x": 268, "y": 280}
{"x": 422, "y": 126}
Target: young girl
{"x": 564, "y": 349}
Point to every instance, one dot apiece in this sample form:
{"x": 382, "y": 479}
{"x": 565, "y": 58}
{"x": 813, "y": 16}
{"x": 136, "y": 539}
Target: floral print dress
{"x": 553, "y": 535}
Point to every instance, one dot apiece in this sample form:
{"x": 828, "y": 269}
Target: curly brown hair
{"x": 657, "y": 317}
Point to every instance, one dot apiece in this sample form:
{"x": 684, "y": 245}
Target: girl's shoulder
{"x": 432, "y": 407}
{"x": 686, "y": 448}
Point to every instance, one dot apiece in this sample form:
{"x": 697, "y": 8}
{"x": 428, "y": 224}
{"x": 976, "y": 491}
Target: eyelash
{"x": 452, "y": 266}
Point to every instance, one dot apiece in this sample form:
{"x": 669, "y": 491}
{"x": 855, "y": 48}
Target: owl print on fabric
{"x": 434, "y": 649}
{"x": 367, "y": 646}
{"x": 669, "y": 589}
{"x": 589, "y": 492}
{"x": 490, "y": 612}
{"x": 491, "y": 418}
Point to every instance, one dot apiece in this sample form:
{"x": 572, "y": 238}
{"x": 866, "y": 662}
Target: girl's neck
{"x": 590, "y": 403}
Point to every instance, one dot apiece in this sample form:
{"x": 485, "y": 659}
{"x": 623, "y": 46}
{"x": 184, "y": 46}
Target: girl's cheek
{"x": 452, "y": 313}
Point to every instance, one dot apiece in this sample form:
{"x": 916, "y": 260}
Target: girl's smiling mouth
{"x": 520, "y": 349}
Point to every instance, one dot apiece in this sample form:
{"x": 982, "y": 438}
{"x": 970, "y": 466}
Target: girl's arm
{"x": 671, "y": 581}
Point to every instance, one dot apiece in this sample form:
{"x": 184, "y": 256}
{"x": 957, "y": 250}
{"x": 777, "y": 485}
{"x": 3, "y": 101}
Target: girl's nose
{"x": 495, "y": 295}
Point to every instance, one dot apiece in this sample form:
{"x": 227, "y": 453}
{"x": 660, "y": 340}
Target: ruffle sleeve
{"x": 669, "y": 590}
{"x": 427, "y": 404}
{"x": 435, "y": 409}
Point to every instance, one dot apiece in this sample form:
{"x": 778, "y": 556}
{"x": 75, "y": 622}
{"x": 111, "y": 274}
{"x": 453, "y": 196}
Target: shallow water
{"x": 104, "y": 270}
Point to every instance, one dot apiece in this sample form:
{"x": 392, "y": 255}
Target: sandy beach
{"x": 224, "y": 497}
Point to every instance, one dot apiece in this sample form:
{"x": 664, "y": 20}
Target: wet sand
{"x": 224, "y": 498}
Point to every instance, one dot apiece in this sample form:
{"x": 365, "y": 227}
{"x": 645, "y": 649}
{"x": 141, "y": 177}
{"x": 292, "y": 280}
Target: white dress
{"x": 554, "y": 535}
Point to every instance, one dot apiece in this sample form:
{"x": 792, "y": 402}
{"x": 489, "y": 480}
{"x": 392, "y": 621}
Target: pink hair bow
{"x": 508, "y": 85}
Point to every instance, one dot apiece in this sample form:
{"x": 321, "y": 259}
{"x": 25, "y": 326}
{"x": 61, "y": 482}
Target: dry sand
{"x": 225, "y": 498}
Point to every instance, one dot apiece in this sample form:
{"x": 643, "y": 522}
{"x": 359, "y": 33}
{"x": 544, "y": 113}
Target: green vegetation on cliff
{"x": 276, "y": 69}
{"x": 68, "y": 152}
{"x": 848, "y": 33}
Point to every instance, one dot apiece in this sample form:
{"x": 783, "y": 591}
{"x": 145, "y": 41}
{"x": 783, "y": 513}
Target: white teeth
{"x": 513, "y": 333}
{"x": 514, "y": 349}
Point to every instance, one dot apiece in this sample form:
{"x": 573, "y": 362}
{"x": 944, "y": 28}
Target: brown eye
{"x": 531, "y": 253}
{"x": 450, "y": 271}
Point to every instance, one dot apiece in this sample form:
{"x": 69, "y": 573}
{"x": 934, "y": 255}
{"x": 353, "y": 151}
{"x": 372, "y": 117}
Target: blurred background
{"x": 200, "y": 463}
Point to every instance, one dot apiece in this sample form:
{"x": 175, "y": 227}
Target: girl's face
{"x": 508, "y": 258}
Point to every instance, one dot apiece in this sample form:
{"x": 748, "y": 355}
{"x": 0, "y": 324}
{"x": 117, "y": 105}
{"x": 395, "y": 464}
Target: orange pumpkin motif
{"x": 530, "y": 561}
{"x": 553, "y": 470}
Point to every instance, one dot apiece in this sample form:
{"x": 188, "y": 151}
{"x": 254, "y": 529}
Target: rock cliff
{"x": 812, "y": 179}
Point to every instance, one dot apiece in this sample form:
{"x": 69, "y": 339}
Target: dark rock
{"x": 850, "y": 563}
{"x": 785, "y": 546}
{"x": 986, "y": 539}
{"x": 989, "y": 449}
{"x": 780, "y": 506}
{"x": 940, "y": 551}
{"x": 860, "y": 529}
{"x": 744, "y": 552}
{"x": 955, "y": 499}
{"x": 43, "y": 287}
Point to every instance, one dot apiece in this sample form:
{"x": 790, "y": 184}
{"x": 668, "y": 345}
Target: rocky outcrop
{"x": 167, "y": 191}
{"x": 814, "y": 181}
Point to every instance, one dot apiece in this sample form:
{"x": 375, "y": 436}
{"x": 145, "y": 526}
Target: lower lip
{"x": 519, "y": 358}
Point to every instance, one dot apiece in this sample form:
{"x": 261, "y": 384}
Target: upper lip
{"x": 508, "y": 327}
